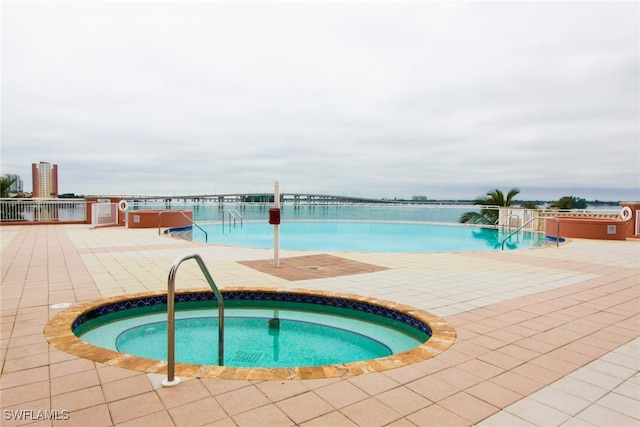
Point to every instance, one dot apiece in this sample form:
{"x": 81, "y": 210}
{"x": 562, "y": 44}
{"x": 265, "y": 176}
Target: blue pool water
{"x": 365, "y": 236}
{"x": 303, "y": 338}
{"x": 334, "y": 212}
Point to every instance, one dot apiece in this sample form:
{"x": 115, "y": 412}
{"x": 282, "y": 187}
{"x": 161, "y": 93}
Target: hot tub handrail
{"x": 171, "y": 291}
{"x": 529, "y": 222}
{"x": 206, "y": 238}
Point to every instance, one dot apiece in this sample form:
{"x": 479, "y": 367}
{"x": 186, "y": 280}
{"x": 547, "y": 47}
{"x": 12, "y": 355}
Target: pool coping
{"x": 59, "y": 334}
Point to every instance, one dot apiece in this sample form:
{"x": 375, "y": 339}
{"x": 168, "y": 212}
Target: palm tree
{"x": 5, "y": 184}
{"x": 569, "y": 202}
{"x": 487, "y": 215}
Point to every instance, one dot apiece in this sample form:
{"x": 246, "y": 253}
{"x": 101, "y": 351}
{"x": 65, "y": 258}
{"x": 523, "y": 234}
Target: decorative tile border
{"x": 59, "y": 333}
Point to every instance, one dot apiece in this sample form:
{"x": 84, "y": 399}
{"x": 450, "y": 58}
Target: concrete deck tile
{"x": 340, "y": 394}
{"x": 95, "y": 416}
{"x": 304, "y": 407}
{"x": 197, "y": 412}
{"x": 438, "y": 416}
{"x": 468, "y": 407}
{"x": 502, "y": 419}
{"x": 371, "y": 412}
{"x": 127, "y": 387}
{"x": 280, "y": 390}
{"x": 157, "y": 419}
{"x": 622, "y": 404}
{"x": 374, "y": 383}
{"x": 134, "y": 407}
{"x": 494, "y": 394}
{"x": 333, "y": 419}
{"x": 537, "y": 413}
{"x": 79, "y": 399}
{"x": 242, "y": 400}
{"x": 403, "y": 400}
{"x": 601, "y": 416}
{"x": 265, "y": 416}
{"x": 561, "y": 400}
{"x": 71, "y": 382}
{"x": 24, "y": 393}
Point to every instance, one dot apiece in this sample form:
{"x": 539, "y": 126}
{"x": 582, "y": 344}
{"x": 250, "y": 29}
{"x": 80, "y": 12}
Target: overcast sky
{"x": 372, "y": 99}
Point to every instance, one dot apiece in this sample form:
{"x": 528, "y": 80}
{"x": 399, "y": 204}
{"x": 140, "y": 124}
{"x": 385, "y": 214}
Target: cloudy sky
{"x": 372, "y": 99}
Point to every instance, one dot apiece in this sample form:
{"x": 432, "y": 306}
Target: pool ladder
{"x": 171, "y": 379}
{"x": 233, "y": 216}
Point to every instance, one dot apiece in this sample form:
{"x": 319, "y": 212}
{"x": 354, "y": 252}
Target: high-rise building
{"x": 16, "y": 187}
{"x": 45, "y": 180}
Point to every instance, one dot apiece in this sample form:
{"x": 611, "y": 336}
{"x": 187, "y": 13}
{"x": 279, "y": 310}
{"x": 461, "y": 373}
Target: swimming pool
{"x": 363, "y": 236}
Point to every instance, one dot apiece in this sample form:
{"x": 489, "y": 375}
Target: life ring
{"x": 626, "y": 213}
{"x": 123, "y": 205}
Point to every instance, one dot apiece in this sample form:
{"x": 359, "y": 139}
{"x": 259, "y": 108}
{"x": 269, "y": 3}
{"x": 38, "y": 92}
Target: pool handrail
{"x": 206, "y": 238}
{"x": 171, "y": 379}
{"x": 528, "y": 222}
{"x": 233, "y": 213}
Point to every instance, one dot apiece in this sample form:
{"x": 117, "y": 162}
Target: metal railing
{"x": 527, "y": 223}
{"x": 171, "y": 379}
{"x": 43, "y": 210}
{"x": 233, "y": 213}
{"x": 206, "y": 237}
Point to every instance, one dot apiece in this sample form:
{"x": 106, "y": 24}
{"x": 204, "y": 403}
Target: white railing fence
{"x": 43, "y": 210}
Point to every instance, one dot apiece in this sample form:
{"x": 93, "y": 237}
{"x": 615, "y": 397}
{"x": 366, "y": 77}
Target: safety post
{"x": 274, "y": 218}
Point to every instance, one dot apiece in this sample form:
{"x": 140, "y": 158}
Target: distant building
{"x": 45, "y": 180}
{"x": 16, "y": 187}
{"x": 419, "y": 198}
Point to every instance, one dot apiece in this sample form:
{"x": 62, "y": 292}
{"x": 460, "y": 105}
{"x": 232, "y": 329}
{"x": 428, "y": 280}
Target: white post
{"x": 276, "y": 227}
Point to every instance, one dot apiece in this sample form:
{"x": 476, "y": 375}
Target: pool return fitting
{"x": 171, "y": 379}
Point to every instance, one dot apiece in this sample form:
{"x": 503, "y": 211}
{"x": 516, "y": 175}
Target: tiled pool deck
{"x": 544, "y": 337}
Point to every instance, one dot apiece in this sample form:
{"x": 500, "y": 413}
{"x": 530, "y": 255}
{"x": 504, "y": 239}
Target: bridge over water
{"x": 295, "y": 198}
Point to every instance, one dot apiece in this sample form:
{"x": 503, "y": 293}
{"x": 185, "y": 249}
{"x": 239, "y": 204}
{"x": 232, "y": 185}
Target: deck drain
{"x": 243, "y": 356}
{"x": 313, "y": 267}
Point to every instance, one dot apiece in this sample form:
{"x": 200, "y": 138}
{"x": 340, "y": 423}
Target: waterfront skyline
{"x": 385, "y": 99}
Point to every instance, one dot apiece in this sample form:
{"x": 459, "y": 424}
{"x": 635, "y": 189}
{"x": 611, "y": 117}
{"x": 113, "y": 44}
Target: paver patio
{"x": 544, "y": 336}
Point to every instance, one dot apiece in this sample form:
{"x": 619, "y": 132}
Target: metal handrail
{"x": 171, "y": 379}
{"x": 206, "y": 237}
{"x": 233, "y": 213}
{"x": 528, "y": 222}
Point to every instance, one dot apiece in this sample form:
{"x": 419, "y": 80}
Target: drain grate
{"x": 243, "y": 356}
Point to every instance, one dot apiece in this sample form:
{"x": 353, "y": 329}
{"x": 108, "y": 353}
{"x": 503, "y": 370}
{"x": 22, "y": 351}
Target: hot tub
{"x": 61, "y": 332}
